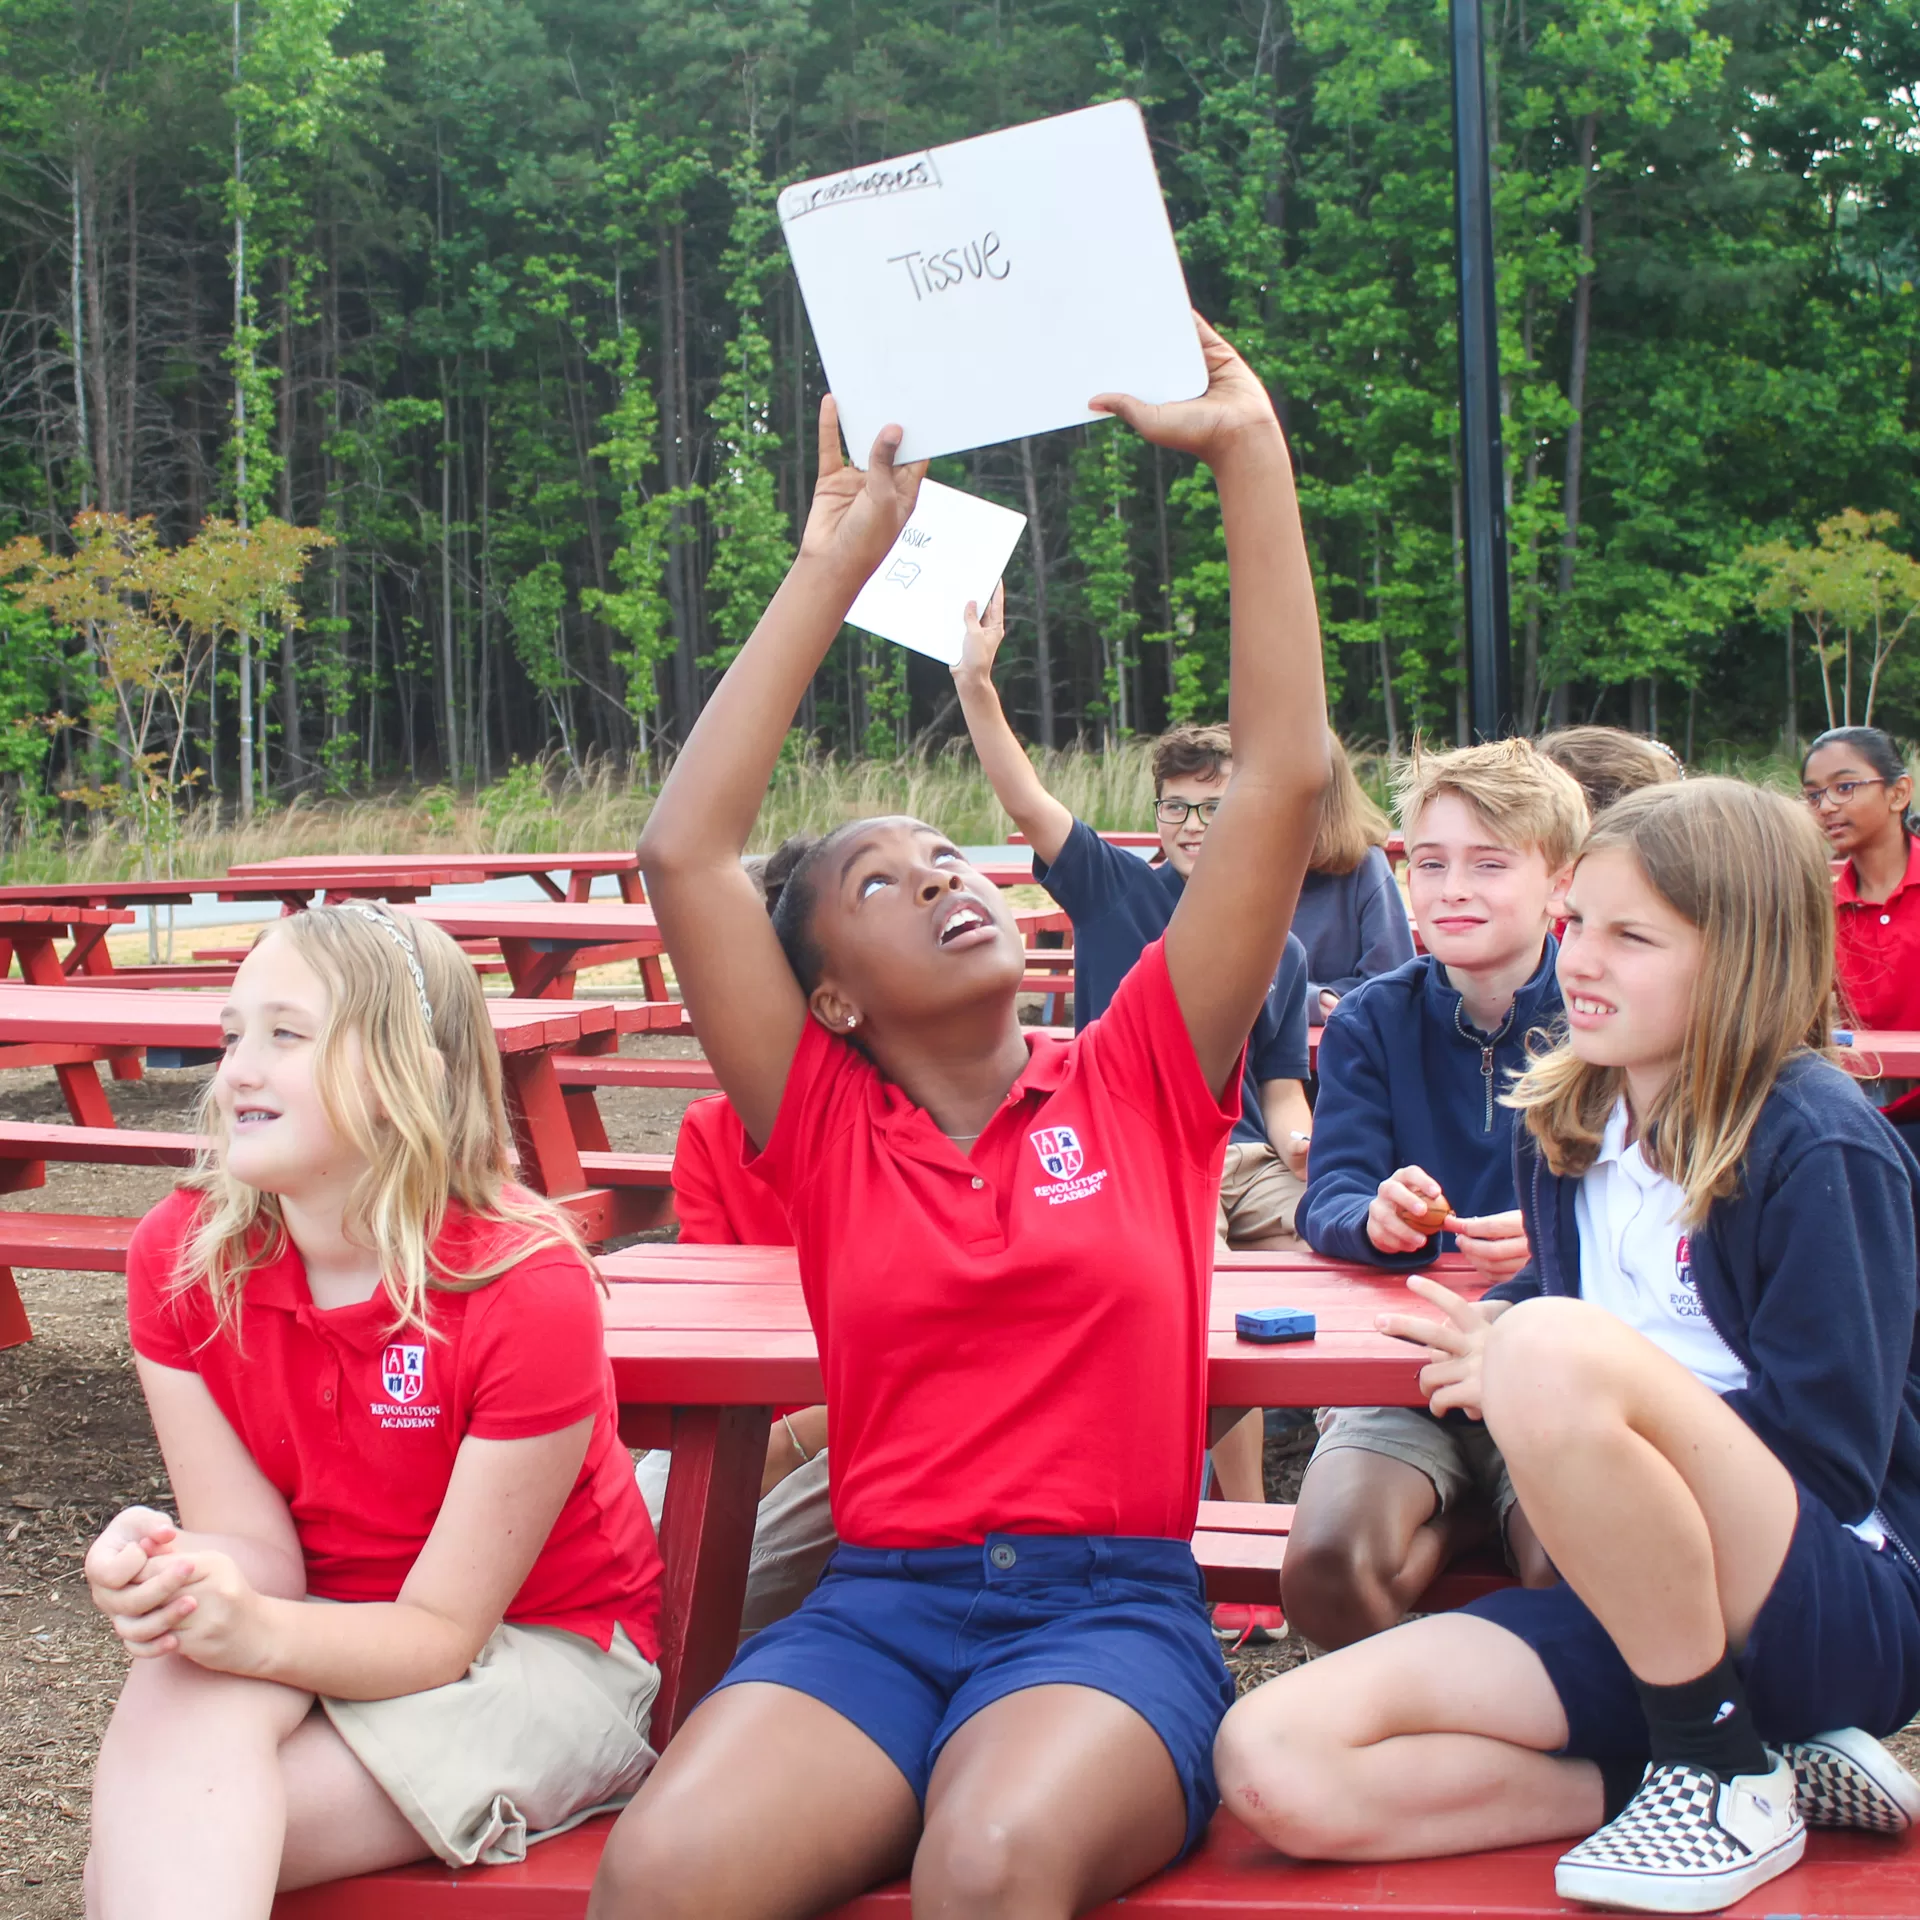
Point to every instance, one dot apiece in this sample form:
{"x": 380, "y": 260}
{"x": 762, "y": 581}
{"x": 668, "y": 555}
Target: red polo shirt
{"x": 1013, "y": 1341}
{"x": 719, "y": 1203}
{"x": 358, "y": 1425}
{"x": 1877, "y": 948}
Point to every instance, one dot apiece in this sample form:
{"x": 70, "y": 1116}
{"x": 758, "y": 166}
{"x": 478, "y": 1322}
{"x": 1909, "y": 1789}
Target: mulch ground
{"x": 76, "y": 1446}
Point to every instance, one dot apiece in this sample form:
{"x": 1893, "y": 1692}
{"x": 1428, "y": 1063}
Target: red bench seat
{"x": 1844, "y": 1877}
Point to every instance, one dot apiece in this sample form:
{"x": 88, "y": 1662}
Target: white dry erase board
{"x": 983, "y": 291}
{"x": 954, "y": 549}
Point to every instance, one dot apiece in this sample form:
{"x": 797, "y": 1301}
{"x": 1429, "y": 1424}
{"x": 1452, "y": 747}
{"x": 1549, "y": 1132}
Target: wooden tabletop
{"x": 587, "y": 922}
{"x": 460, "y": 866}
{"x": 1884, "y": 1055}
{"x": 19, "y": 916}
{"x": 410, "y": 876}
{"x": 160, "y": 1017}
{"x": 727, "y": 1326}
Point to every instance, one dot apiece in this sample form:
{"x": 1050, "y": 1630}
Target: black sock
{"x": 1704, "y": 1723}
{"x": 1619, "y": 1782}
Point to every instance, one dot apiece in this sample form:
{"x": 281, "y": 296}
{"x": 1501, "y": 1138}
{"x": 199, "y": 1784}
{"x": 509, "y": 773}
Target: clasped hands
{"x": 196, "y": 1602}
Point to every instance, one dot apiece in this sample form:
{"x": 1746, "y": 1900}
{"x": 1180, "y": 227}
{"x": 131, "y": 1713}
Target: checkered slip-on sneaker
{"x": 1848, "y": 1779}
{"x": 1688, "y": 1842}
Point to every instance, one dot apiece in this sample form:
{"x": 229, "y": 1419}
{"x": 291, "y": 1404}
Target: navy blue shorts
{"x": 910, "y": 1643}
{"x": 1837, "y": 1644}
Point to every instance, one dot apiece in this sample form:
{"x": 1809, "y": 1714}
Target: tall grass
{"x": 551, "y": 808}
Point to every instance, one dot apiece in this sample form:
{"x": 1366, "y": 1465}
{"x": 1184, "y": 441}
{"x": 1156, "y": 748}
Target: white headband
{"x": 409, "y": 950}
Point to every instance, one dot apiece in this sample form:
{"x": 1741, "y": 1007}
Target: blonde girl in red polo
{"x": 1006, "y": 1681}
{"x": 376, "y": 1371}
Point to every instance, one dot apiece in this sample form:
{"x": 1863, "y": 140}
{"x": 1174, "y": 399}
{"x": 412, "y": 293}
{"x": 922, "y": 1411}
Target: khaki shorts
{"x": 541, "y": 1731}
{"x": 1259, "y": 1193}
{"x": 1458, "y": 1457}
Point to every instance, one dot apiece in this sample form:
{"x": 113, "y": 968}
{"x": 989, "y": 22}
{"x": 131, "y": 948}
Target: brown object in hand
{"x": 1435, "y": 1217}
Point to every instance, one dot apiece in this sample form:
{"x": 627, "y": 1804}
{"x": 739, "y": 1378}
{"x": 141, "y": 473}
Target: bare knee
{"x": 1336, "y": 1589}
{"x": 1288, "y": 1786}
{"x": 657, "y": 1863}
{"x": 1546, "y": 1376}
{"x": 980, "y": 1863}
{"x": 170, "y": 1698}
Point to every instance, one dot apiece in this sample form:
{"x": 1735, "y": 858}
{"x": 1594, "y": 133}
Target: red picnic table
{"x": 29, "y": 929}
{"x": 545, "y": 944}
{"x": 544, "y": 869}
{"x": 88, "y": 959}
{"x": 704, "y": 1340}
{"x": 70, "y": 1030}
{"x": 561, "y": 1140}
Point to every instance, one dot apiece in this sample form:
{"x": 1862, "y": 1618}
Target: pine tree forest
{"x": 451, "y": 348}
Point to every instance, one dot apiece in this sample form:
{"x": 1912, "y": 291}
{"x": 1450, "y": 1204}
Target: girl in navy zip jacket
{"x": 1704, "y": 1385}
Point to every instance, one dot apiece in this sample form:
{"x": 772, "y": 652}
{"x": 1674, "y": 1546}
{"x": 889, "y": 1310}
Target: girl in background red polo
{"x": 1860, "y": 790}
{"x": 377, "y": 1374}
{"x": 1006, "y": 1679}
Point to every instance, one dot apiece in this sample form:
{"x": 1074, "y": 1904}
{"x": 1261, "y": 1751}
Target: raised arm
{"x": 745, "y": 1002}
{"x": 1035, "y": 811}
{"x": 1228, "y": 931}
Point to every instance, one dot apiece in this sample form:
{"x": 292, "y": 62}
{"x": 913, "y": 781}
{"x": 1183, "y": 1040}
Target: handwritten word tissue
{"x": 982, "y": 291}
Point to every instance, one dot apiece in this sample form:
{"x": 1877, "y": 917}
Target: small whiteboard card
{"x": 983, "y": 291}
{"x": 953, "y": 550}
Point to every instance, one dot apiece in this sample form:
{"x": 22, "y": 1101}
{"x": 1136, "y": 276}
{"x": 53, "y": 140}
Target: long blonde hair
{"x": 1749, "y": 869}
{"x": 424, "y": 1109}
{"x": 1350, "y": 823}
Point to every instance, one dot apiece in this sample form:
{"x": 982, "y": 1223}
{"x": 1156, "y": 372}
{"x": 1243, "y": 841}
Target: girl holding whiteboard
{"x": 1005, "y": 1682}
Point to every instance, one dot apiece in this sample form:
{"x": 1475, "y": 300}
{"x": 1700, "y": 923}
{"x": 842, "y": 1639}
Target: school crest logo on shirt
{"x": 403, "y": 1372}
{"x": 1059, "y": 1151}
{"x": 1685, "y": 1298}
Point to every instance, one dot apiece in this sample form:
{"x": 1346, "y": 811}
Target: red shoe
{"x": 1238, "y": 1625}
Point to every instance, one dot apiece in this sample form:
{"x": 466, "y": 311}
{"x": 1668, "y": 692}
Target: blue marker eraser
{"x": 1274, "y": 1323}
{"x": 1842, "y": 1037}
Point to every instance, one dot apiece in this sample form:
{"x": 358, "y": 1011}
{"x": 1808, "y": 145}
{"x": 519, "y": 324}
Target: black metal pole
{"x": 1489, "y": 636}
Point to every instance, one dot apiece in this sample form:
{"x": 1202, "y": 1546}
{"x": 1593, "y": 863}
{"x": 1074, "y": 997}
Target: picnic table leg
{"x": 589, "y": 1128}
{"x": 95, "y": 959}
{"x": 542, "y": 1126}
{"x": 653, "y": 976}
{"x": 706, "y": 1540}
{"x": 633, "y": 889}
{"x": 86, "y": 1098}
{"x": 537, "y": 974}
{"x": 15, "y": 1331}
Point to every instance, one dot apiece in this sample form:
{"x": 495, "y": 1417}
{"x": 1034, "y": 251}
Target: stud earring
{"x": 852, "y": 1021}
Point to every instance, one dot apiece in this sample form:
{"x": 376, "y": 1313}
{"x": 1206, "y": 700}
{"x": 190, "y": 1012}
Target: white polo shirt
{"x": 1635, "y": 1260}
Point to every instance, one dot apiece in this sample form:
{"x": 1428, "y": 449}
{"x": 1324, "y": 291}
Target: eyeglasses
{"x": 1840, "y": 792}
{"x": 1176, "y": 813}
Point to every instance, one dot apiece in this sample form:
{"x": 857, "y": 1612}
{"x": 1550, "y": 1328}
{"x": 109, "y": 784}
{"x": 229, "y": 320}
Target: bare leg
{"x": 766, "y": 1806}
{"x": 1661, "y": 1507}
{"x": 189, "y": 1806}
{"x": 339, "y": 1819}
{"x": 1434, "y": 1738}
{"x": 1368, "y": 1540}
{"x": 1239, "y": 1459}
{"x": 1045, "y": 1804}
